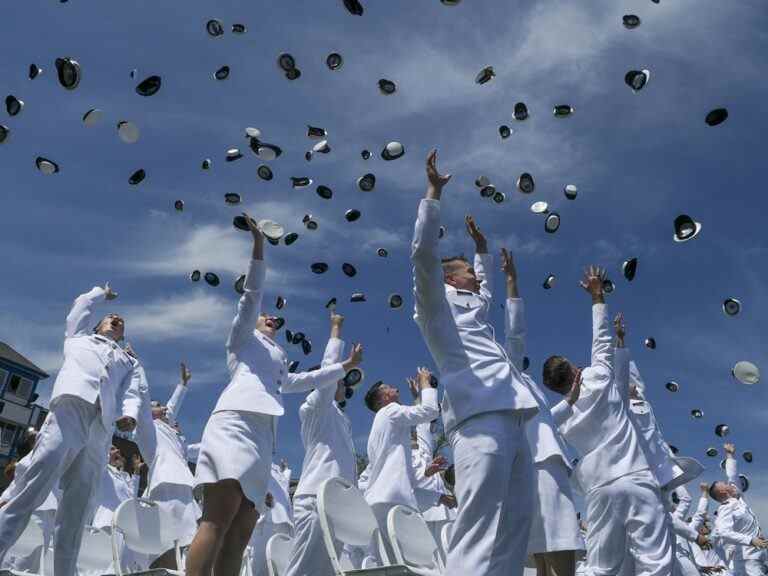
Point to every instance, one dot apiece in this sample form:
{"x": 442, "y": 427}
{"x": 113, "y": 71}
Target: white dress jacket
{"x": 477, "y": 373}
{"x": 170, "y": 465}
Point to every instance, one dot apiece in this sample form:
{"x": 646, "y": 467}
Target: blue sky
{"x": 639, "y": 160}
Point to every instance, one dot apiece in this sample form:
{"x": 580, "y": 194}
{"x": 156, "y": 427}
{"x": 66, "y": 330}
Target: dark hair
{"x": 372, "y": 396}
{"x": 712, "y": 490}
{"x": 556, "y": 374}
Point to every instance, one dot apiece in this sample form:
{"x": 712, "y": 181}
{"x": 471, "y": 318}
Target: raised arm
{"x": 483, "y": 261}
{"x": 601, "y": 333}
{"x": 731, "y": 465}
{"x": 424, "y": 411}
{"x": 701, "y": 510}
{"x": 428, "y": 280}
{"x": 324, "y": 376}
{"x": 684, "y": 503}
{"x": 177, "y": 398}
{"x": 333, "y": 353}
{"x": 249, "y": 305}
{"x": 514, "y": 318}
{"x": 79, "y": 319}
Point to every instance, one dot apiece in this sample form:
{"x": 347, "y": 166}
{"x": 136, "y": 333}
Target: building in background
{"x": 19, "y": 377}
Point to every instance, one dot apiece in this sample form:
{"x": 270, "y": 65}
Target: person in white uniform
{"x": 170, "y": 481}
{"x": 279, "y": 487}
{"x": 116, "y": 486}
{"x": 329, "y": 452}
{"x": 71, "y": 449}
{"x": 555, "y": 536}
{"x": 625, "y": 514}
{"x": 736, "y": 526}
{"x": 233, "y": 466}
{"x": 144, "y": 435}
{"x": 710, "y": 559}
{"x": 392, "y": 479}
{"x": 486, "y": 403}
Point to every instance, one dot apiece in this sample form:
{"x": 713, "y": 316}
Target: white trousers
{"x": 494, "y": 489}
{"x": 309, "y": 555}
{"x": 627, "y": 517}
{"x": 742, "y": 567}
{"x": 71, "y": 449}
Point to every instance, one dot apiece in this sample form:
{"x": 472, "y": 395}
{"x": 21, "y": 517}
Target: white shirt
{"x": 391, "y": 476}
{"x": 714, "y": 556}
{"x": 95, "y": 367}
{"x": 144, "y": 435}
{"x": 326, "y": 433}
{"x": 598, "y": 424}
{"x": 656, "y": 450}
{"x": 171, "y": 466}
{"x": 279, "y": 482}
{"x": 543, "y": 437}
{"x": 475, "y": 370}
{"x": 258, "y": 366}
{"x": 115, "y": 488}
{"x": 428, "y": 489}
{"x": 736, "y": 525}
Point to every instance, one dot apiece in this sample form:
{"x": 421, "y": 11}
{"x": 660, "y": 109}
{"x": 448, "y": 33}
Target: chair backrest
{"x": 145, "y": 527}
{"x": 30, "y": 540}
{"x": 95, "y": 551}
{"x": 445, "y": 537}
{"x": 411, "y": 539}
{"x": 345, "y": 517}
{"x": 279, "y": 548}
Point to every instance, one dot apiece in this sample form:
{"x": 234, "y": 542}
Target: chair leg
{"x": 116, "y": 553}
{"x": 179, "y": 565}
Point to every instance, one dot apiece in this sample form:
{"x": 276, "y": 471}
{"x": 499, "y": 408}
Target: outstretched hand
{"x": 355, "y": 358}
{"x": 258, "y": 237}
{"x": 730, "y": 448}
{"x": 593, "y": 283}
{"x": 109, "y": 294}
{"x": 620, "y": 328}
{"x": 438, "y": 464}
{"x": 435, "y": 180}
{"x": 481, "y": 245}
{"x": 186, "y": 375}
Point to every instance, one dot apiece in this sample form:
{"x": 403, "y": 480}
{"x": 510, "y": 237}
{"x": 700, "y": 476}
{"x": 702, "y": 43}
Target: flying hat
{"x": 562, "y": 111}
{"x": 46, "y": 166}
{"x": 499, "y": 197}
{"x": 485, "y": 75}
{"x": 387, "y": 87}
{"x": 179, "y": 205}
{"x": 34, "y": 71}
{"x": 525, "y": 183}
{"x": 650, "y": 343}
{"x": 520, "y": 112}
{"x": 366, "y": 154}
{"x": 382, "y": 252}
{"x": 349, "y": 269}
{"x": 482, "y": 181}
{"x": 352, "y": 215}
{"x": 629, "y": 269}
{"x": 309, "y": 222}
{"x": 271, "y": 229}
{"x": 712, "y": 452}
{"x": 68, "y": 71}
{"x": 637, "y": 79}
{"x": 293, "y": 366}
{"x": 212, "y": 279}
{"x": 324, "y": 192}
{"x": 319, "y": 267}
{"x": 608, "y": 286}
{"x": 549, "y": 282}
{"x": 395, "y": 301}
{"x": 367, "y": 182}
{"x": 331, "y": 304}
{"x": 672, "y": 386}
{"x": 354, "y": 7}
{"x": 354, "y": 377}
{"x": 306, "y": 347}
{"x": 505, "y": 131}
{"x": 552, "y": 223}
{"x": 251, "y": 132}
{"x": 393, "y": 151}
{"x": 280, "y": 303}
{"x": 222, "y": 73}
{"x": 488, "y": 191}
{"x": 722, "y": 430}
{"x": 214, "y": 27}
{"x": 686, "y": 228}
{"x": 232, "y": 198}
{"x": 293, "y": 74}
{"x": 316, "y": 133}
{"x": 264, "y": 172}
{"x": 265, "y": 151}
{"x": 716, "y": 116}
{"x": 206, "y": 164}
{"x": 195, "y": 276}
{"x": 744, "y": 482}
{"x": 128, "y": 131}
{"x": 239, "y": 29}
{"x": 746, "y": 372}
{"x": 539, "y": 207}
{"x": 289, "y": 239}
{"x": 747, "y": 455}
{"x": 630, "y": 21}
{"x": 149, "y": 86}
{"x": 696, "y": 413}
{"x": 357, "y": 297}
{"x": 137, "y": 177}
{"x": 240, "y": 223}
{"x": 13, "y": 105}
{"x": 4, "y": 133}
{"x": 301, "y": 182}
{"x": 334, "y": 61}
{"x": 674, "y": 449}
{"x": 731, "y": 306}
{"x": 240, "y": 284}
{"x": 233, "y": 154}
{"x": 571, "y": 191}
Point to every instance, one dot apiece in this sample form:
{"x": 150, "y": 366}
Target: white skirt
{"x": 555, "y": 526}
{"x": 178, "y": 501}
{"x": 237, "y": 446}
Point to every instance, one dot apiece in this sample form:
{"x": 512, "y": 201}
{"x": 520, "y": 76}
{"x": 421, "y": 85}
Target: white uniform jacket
{"x": 326, "y": 433}
{"x": 170, "y": 465}
{"x": 657, "y": 451}
{"x": 598, "y": 424}
{"x": 115, "y": 488}
{"x": 735, "y": 524}
{"x": 279, "y": 482}
{"x": 391, "y": 476}
{"x": 144, "y": 435}
{"x": 477, "y": 373}
{"x": 543, "y": 437}
{"x": 95, "y": 368}
{"x": 258, "y": 366}
{"x": 714, "y": 556}
{"x": 428, "y": 489}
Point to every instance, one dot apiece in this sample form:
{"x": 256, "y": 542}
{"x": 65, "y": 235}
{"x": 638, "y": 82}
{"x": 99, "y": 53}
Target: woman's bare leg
{"x": 230, "y": 556}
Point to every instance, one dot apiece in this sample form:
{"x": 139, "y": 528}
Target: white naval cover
{"x": 598, "y": 424}
{"x": 95, "y": 368}
{"x": 171, "y": 466}
{"x": 735, "y": 524}
{"x": 543, "y": 437}
{"x": 326, "y": 434}
{"x": 144, "y": 435}
{"x": 475, "y": 370}
{"x": 391, "y": 476}
{"x": 258, "y": 366}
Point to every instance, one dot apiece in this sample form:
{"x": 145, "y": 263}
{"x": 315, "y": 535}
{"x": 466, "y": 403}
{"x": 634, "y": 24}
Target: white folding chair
{"x": 346, "y": 517}
{"x": 445, "y": 539}
{"x": 31, "y": 541}
{"x": 145, "y": 528}
{"x": 279, "y": 548}
{"x": 95, "y": 555}
{"x": 412, "y": 541}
